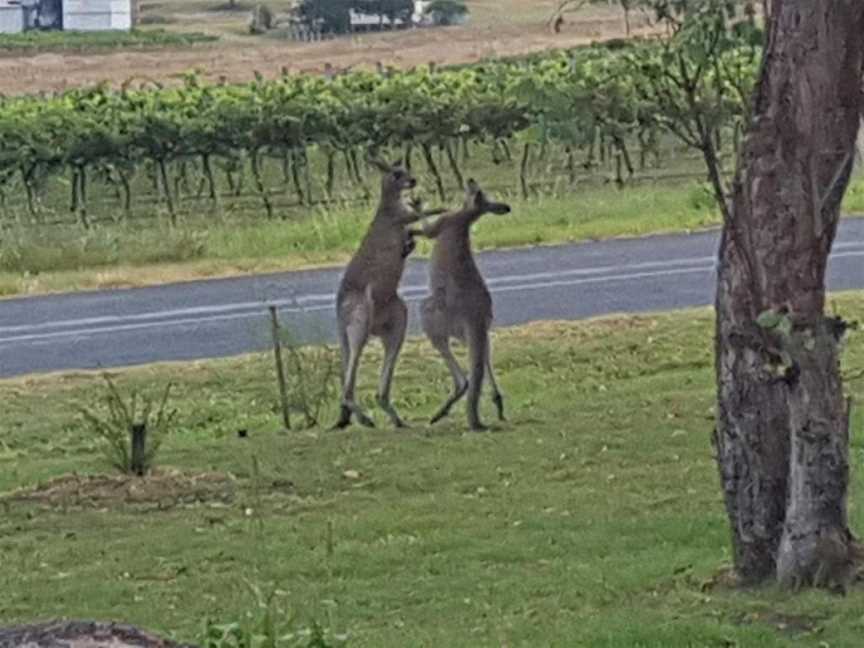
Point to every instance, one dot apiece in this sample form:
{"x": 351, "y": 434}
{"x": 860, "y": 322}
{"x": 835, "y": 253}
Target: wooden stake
{"x": 139, "y": 449}
{"x": 280, "y": 369}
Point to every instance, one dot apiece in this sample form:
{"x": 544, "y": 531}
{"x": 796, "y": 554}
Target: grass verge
{"x": 592, "y": 518}
{"x": 71, "y": 41}
{"x": 65, "y": 258}
{"x": 51, "y": 259}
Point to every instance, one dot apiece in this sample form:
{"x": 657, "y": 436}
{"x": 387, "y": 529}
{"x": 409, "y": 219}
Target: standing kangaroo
{"x": 459, "y": 304}
{"x": 367, "y": 303}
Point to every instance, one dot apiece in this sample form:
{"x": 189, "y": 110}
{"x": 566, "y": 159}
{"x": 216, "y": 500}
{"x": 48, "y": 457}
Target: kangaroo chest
{"x": 378, "y": 261}
{"x": 454, "y": 275}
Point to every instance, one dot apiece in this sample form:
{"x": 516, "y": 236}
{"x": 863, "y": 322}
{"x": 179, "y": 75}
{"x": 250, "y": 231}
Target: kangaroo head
{"x": 477, "y": 201}
{"x": 394, "y": 178}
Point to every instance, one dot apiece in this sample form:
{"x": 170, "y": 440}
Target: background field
{"x": 497, "y": 29}
{"x": 592, "y": 518}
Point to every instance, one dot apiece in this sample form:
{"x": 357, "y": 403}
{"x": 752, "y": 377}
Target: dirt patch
{"x": 238, "y": 60}
{"x": 162, "y": 488}
{"x": 80, "y": 634}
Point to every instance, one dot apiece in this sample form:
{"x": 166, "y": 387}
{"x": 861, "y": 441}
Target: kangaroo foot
{"x": 354, "y": 409}
{"x": 344, "y": 419}
{"x": 454, "y": 398}
{"x": 391, "y": 412}
{"x": 365, "y": 421}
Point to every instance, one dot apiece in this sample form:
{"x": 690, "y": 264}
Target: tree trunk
{"x": 523, "y": 170}
{"x": 255, "y": 159}
{"x": 454, "y": 164}
{"x": 166, "y": 188}
{"x": 295, "y": 176}
{"x": 127, "y": 194}
{"x": 330, "y": 183}
{"x": 433, "y": 169}
{"x": 782, "y": 421}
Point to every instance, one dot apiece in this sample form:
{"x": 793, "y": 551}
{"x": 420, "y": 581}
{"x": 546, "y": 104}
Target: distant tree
{"x": 334, "y": 15}
{"x": 396, "y": 10}
{"x": 446, "y": 12}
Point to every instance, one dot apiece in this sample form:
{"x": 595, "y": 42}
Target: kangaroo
{"x": 459, "y": 304}
{"x": 367, "y": 303}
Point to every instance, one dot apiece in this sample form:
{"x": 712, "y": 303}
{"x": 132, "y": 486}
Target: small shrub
{"x": 311, "y": 374}
{"x": 116, "y": 420}
{"x": 156, "y": 19}
{"x": 33, "y": 41}
{"x": 268, "y": 626}
{"x": 447, "y": 12}
{"x": 262, "y": 20}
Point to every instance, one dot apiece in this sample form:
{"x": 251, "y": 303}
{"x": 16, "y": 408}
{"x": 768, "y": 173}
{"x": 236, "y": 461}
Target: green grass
{"x": 65, "y": 41}
{"x": 64, "y": 257}
{"x": 60, "y": 258}
{"x": 592, "y": 518}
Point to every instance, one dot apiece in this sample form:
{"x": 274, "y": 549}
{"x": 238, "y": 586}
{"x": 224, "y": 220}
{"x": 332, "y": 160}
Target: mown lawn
{"x": 593, "y": 517}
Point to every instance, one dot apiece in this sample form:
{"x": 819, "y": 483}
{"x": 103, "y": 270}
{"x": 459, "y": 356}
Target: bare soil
{"x": 237, "y": 59}
{"x": 163, "y": 488}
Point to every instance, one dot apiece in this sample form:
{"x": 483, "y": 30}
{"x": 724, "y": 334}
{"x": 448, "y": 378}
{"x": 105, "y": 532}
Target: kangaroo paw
{"x": 344, "y": 419}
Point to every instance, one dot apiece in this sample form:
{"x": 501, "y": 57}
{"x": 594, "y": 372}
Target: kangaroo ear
{"x": 382, "y": 166}
{"x": 396, "y": 164}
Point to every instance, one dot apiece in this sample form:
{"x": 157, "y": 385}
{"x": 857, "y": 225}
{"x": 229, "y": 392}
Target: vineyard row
{"x": 585, "y": 103}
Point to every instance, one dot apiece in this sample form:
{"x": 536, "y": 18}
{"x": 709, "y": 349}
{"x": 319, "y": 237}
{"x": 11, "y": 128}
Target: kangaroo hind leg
{"x": 460, "y": 382}
{"x": 497, "y": 398}
{"x": 392, "y": 336}
{"x": 478, "y": 348}
{"x": 353, "y": 339}
{"x": 436, "y": 327}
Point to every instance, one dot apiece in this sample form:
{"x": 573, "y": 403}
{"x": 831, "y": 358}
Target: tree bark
{"x": 782, "y": 428}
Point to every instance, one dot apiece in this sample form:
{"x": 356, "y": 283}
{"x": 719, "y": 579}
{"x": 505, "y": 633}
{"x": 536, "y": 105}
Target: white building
{"x": 11, "y": 18}
{"x": 374, "y": 21}
{"x": 75, "y": 15}
{"x": 97, "y": 15}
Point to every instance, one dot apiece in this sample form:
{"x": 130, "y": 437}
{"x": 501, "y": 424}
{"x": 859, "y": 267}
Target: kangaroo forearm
{"x": 408, "y": 217}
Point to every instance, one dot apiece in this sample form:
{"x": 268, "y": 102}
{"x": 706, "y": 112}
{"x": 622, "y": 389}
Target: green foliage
{"x": 333, "y": 15}
{"x": 312, "y": 377}
{"x": 697, "y": 83}
{"x": 772, "y": 320}
{"x": 581, "y": 99}
{"x": 268, "y": 625}
{"x": 114, "y": 420}
{"x": 33, "y": 41}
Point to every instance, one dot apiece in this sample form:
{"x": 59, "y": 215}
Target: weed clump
{"x": 132, "y": 436}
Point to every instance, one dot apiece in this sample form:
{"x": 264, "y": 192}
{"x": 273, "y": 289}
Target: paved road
{"x": 226, "y": 317}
